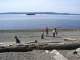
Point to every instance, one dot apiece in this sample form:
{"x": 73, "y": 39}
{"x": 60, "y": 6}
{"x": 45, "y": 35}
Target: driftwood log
{"x": 41, "y": 46}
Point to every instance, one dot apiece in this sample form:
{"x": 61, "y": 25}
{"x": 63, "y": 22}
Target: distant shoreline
{"x": 37, "y": 30}
{"x": 34, "y": 13}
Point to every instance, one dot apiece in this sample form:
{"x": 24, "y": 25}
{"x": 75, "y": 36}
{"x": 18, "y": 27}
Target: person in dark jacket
{"x": 17, "y": 39}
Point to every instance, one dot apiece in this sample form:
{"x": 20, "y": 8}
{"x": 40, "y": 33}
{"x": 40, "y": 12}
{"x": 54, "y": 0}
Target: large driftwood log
{"x": 37, "y": 46}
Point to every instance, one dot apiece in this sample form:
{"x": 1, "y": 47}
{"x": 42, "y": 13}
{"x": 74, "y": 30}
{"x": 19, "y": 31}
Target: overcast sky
{"x": 70, "y": 6}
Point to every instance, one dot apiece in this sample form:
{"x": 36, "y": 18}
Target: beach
{"x": 26, "y": 36}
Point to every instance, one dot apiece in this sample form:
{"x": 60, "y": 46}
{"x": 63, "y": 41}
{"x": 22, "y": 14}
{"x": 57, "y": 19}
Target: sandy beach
{"x": 30, "y": 36}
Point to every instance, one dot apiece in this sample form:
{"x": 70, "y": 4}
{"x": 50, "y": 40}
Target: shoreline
{"x": 37, "y": 30}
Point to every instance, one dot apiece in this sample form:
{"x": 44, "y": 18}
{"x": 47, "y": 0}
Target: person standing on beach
{"x": 53, "y": 33}
{"x": 47, "y": 31}
{"x": 42, "y": 35}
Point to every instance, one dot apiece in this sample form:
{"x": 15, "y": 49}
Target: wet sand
{"x": 28, "y": 36}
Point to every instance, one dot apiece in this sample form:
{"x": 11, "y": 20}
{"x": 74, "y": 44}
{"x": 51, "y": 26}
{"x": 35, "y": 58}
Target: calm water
{"x": 18, "y": 21}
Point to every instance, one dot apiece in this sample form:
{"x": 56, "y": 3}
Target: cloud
{"x": 40, "y": 5}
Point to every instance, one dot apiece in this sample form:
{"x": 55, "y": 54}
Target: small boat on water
{"x": 30, "y": 14}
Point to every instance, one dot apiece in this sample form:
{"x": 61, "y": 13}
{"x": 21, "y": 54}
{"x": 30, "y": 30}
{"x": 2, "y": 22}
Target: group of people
{"x": 54, "y": 33}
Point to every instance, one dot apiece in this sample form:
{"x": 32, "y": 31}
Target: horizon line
{"x": 57, "y": 13}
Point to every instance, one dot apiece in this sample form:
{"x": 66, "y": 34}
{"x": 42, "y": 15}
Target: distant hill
{"x": 34, "y": 13}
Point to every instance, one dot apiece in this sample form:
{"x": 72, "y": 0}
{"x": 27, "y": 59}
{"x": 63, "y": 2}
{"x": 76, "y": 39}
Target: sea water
{"x": 22, "y": 21}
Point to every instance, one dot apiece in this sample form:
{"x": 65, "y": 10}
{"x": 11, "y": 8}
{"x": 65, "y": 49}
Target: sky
{"x": 68, "y": 6}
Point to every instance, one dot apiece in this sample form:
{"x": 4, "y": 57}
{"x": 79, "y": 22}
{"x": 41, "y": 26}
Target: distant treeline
{"x": 33, "y": 13}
